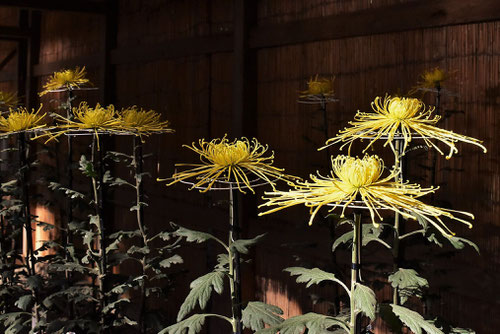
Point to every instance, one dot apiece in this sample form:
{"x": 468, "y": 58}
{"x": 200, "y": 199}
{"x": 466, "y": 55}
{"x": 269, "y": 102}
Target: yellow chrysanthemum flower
{"x": 66, "y": 79}
{"x": 404, "y": 117}
{"x": 234, "y": 161}
{"x": 143, "y": 122}
{"x": 21, "y": 119}
{"x": 433, "y": 78}
{"x": 353, "y": 178}
{"x": 8, "y": 100}
{"x": 319, "y": 86}
{"x": 95, "y": 120}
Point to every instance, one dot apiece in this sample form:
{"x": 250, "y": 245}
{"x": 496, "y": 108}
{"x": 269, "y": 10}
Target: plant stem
{"x": 397, "y": 219}
{"x": 30, "y": 252}
{"x": 69, "y": 172}
{"x": 234, "y": 262}
{"x": 97, "y": 185}
{"x": 355, "y": 327}
{"x": 138, "y": 157}
{"x": 434, "y": 153}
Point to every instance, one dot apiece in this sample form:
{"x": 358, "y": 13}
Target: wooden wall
{"x": 155, "y": 67}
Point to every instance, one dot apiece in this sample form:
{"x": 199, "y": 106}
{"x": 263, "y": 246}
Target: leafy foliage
{"x": 313, "y": 322}
{"x": 201, "y": 289}
{"x": 364, "y": 300}
{"x": 414, "y": 321}
{"x": 191, "y": 325}
{"x": 408, "y": 283}
{"x": 257, "y": 314}
{"x": 369, "y": 233}
{"x": 312, "y": 276}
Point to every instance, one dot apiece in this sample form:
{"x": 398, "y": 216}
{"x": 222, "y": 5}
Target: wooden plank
{"x": 7, "y": 59}
{"x": 14, "y": 33}
{"x": 91, "y": 62}
{"x": 33, "y": 58}
{"x": 173, "y": 49}
{"x": 8, "y": 76}
{"x": 97, "y": 7}
{"x": 396, "y": 18}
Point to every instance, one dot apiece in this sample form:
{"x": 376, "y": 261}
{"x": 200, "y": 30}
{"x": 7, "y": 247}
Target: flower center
{"x": 224, "y": 154}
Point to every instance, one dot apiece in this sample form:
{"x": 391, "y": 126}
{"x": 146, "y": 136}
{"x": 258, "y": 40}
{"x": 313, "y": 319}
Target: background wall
{"x": 210, "y": 76}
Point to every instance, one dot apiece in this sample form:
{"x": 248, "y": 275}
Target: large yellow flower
{"x": 400, "y": 117}
{"x": 8, "y": 100}
{"x": 355, "y": 179}
{"x": 319, "y": 86}
{"x": 235, "y": 161}
{"x": 143, "y": 122}
{"x": 87, "y": 119}
{"x": 66, "y": 79}
{"x": 21, "y": 119}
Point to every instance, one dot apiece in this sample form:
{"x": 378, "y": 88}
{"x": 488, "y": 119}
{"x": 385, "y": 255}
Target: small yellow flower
{"x": 319, "y": 86}
{"x": 234, "y": 161}
{"x": 143, "y": 122}
{"x": 353, "y": 178}
{"x": 405, "y": 117}
{"x": 96, "y": 120}
{"x": 66, "y": 79}
{"x": 21, "y": 119}
{"x": 8, "y": 100}
{"x": 433, "y": 78}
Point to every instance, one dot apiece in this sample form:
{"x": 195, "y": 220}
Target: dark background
{"x": 235, "y": 67}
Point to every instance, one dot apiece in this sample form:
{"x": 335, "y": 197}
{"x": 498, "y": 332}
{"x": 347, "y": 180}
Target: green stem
{"x": 30, "y": 252}
{"x": 97, "y": 185}
{"x": 354, "y": 324}
{"x": 138, "y": 157}
{"x": 234, "y": 263}
{"x": 397, "y": 219}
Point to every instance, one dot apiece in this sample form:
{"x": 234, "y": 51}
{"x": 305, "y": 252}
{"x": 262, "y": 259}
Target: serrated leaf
{"x": 313, "y": 322}
{"x": 364, "y": 300}
{"x": 433, "y": 238}
{"x": 24, "y": 302}
{"x": 175, "y": 259}
{"x": 191, "y": 325}
{"x": 257, "y": 314}
{"x": 414, "y": 321}
{"x": 222, "y": 262}
{"x": 242, "y": 245}
{"x": 312, "y": 276}
{"x": 193, "y": 236}
{"x": 408, "y": 283}
{"x": 201, "y": 289}
{"x": 459, "y": 243}
{"x": 138, "y": 250}
{"x": 369, "y": 233}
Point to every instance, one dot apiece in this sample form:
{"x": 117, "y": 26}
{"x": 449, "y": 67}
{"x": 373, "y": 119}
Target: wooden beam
{"x": 14, "y": 33}
{"x": 85, "y": 6}
{"x": 109, "y": 32}
{"x": 35, "y": 24}
{"x": 7, "y": 59}
{"x": 7, "y": 76}
{"x": 173, "y": 49}
{"x": 401, "y": 17}
{"x": 22, "y": 58}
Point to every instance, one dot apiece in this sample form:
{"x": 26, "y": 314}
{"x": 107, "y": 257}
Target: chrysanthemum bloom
{"x": 319, "y": 86}
{"x": 433, "y": 78}
{"x": 404, "y": 117}
{"x": 94, "y": 120}
{"x": 353, "y": 178}
{"x": 67, "y": 79}
{"x": 143, "y": 122}
{"x": 8, "y": 100}
{"x": 235, "y": 162}
{"x": 21, "y": 119}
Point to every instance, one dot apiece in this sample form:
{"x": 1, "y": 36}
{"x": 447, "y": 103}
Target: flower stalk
{"x": 234, "y": 262}
{"x": 97, "y": 187}
{"x": 355, "y": 324}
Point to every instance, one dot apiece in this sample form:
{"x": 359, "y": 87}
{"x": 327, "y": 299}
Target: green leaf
{"x": 175, "y": 259}
{"x": 201, "y": 289}
{"x": 459, "y": 243}
{"x": 257, "y": 314}
{"x": 242, "y": 245}
{"x": 414, "y": 321}
{"x": 24, "y": 302}
{"x": 432, "y": 238}
{"x": 222, "y": 262}
{"x": 191, "y": 325}
{"x": 408, "y": 283}
{"x": 369, "y": 233}
{"x": 364, "y": 300}
{"x": 86, "y": 167}
{"x": 194, "y": 236}
{"x": 313, "y": 322}
{"x": 312, "y": 276}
